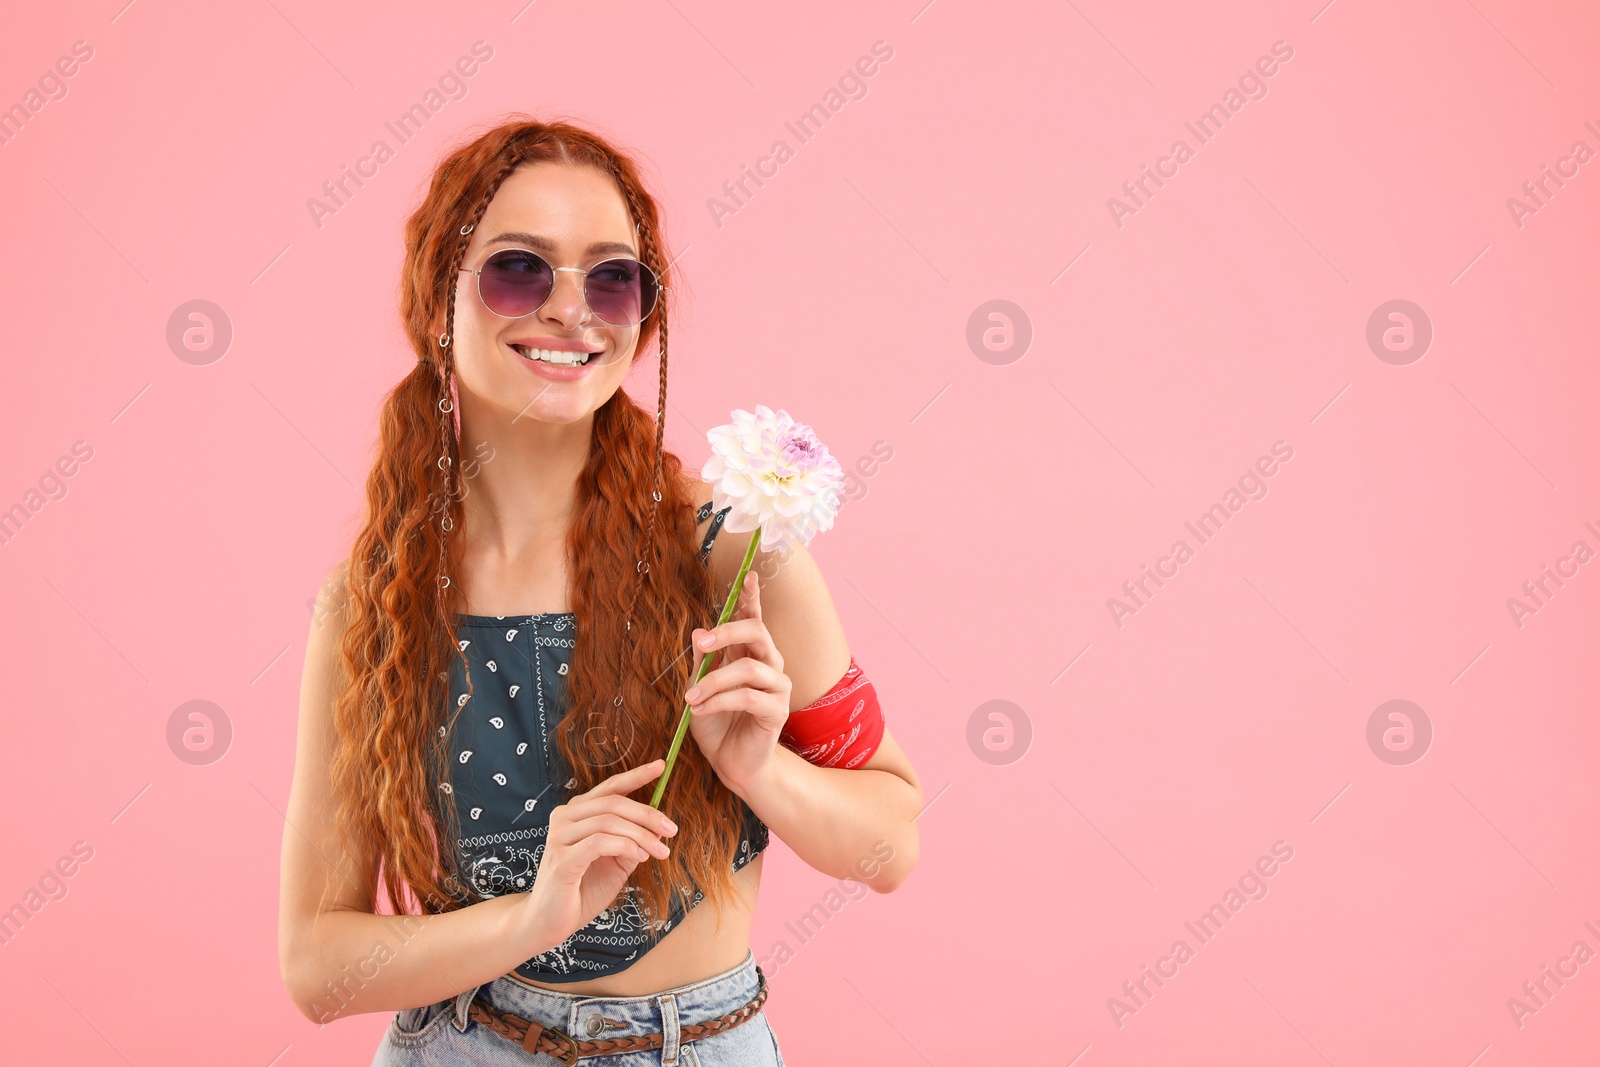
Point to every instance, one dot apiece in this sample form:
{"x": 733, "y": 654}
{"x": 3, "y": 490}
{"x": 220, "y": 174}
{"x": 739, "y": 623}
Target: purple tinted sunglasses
{"x": 515, "y": 282}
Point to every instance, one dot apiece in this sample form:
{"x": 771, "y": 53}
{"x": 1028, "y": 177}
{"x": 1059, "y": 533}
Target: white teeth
{"x": 547, "y": 355}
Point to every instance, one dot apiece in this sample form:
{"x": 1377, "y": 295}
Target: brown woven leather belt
{"x": 536, "y": 1037}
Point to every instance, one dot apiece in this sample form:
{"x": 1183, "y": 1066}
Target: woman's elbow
{"x": 893, "y": 873}
{"x": 314, "y": 1011}
{"x": 297, "y": 970}
{"x": 907, "y": 843}
{"x": 299, "y": 989}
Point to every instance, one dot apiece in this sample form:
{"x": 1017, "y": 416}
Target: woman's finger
{"x": 622, "y": 807}
{"x": 740, "y": 674}
{"x": 739, "y": 701}
{"x": 585, "y": 852}
{"x": 749, "y": 599}
{"x": 614, "y": 826}
{"x": 750, "y": 634}
{"x": 749, "y": 603}
{"x": 628, "y": 781}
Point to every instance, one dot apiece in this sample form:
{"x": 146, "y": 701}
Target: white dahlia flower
{"x": 777, "y": 476}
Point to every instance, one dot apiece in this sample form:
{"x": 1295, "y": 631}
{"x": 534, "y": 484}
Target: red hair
{"x": 633, "y": 555}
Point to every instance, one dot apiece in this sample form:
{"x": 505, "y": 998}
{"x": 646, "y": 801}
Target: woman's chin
{"x": 560, "y": 403}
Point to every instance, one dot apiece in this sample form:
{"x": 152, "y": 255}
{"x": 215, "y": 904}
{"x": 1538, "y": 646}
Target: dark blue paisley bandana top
{"x": 507, "y": 777}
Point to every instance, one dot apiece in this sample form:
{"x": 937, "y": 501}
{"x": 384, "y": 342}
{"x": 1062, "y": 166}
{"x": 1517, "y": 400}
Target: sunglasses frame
{"x": 584, "y": 287}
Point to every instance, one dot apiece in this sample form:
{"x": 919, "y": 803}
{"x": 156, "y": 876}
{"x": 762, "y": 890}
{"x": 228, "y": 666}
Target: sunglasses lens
{"x": 515, "y": 282}
{"x": 621, "y": 291}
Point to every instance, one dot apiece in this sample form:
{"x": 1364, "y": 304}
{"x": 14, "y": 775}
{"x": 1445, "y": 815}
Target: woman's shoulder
{"x": 328, "y": 608}
{"x": 329, "y": 619}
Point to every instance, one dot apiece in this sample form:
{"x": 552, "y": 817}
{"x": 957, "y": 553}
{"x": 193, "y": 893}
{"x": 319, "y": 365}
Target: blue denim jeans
{"x": 443, "y": 1033}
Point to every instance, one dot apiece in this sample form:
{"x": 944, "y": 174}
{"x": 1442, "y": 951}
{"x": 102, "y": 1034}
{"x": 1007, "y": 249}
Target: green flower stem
{"x": 705, "y": 665}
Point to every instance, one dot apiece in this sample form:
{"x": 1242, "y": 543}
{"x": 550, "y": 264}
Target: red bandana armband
{"x": 842, "y": 728}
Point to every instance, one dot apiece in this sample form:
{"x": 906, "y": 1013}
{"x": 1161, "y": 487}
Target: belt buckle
{"x": 569, "y": 1054}
{"x": 534, "y": 1032}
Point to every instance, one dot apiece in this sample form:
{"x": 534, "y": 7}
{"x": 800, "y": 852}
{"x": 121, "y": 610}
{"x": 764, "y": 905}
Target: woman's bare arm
{"x": 338, "y": 958}
{"x": 858, "y": 823}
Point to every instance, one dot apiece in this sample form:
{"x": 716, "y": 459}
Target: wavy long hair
{"x": 633, "y": 559}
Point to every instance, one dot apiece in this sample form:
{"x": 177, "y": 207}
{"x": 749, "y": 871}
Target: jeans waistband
{"x": 588, "y": 1017}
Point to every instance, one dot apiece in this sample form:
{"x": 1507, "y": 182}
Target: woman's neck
{"x": 519, "y": 481}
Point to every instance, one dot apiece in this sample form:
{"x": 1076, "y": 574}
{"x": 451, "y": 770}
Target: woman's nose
{"x": 567, "y": 303}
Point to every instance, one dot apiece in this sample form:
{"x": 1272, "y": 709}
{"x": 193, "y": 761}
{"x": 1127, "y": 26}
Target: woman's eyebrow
{"x": 547, "y": 245}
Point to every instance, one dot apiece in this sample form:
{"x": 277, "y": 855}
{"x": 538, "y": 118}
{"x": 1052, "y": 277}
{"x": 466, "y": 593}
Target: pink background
{"x": 1228, "y": 313}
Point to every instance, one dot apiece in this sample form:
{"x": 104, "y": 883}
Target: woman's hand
{"x": 596, "y": 839}
{"x": 740, "y": 707}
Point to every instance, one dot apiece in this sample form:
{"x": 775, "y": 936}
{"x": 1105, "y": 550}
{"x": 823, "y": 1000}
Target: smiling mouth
{"x": 555, "y": 357}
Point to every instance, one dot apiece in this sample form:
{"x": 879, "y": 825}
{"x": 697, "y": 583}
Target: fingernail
{"x": 672, "y": 827}
{"x": 692, "y": 695}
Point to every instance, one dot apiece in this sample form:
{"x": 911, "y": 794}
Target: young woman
{"x": 494, "y": 674}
